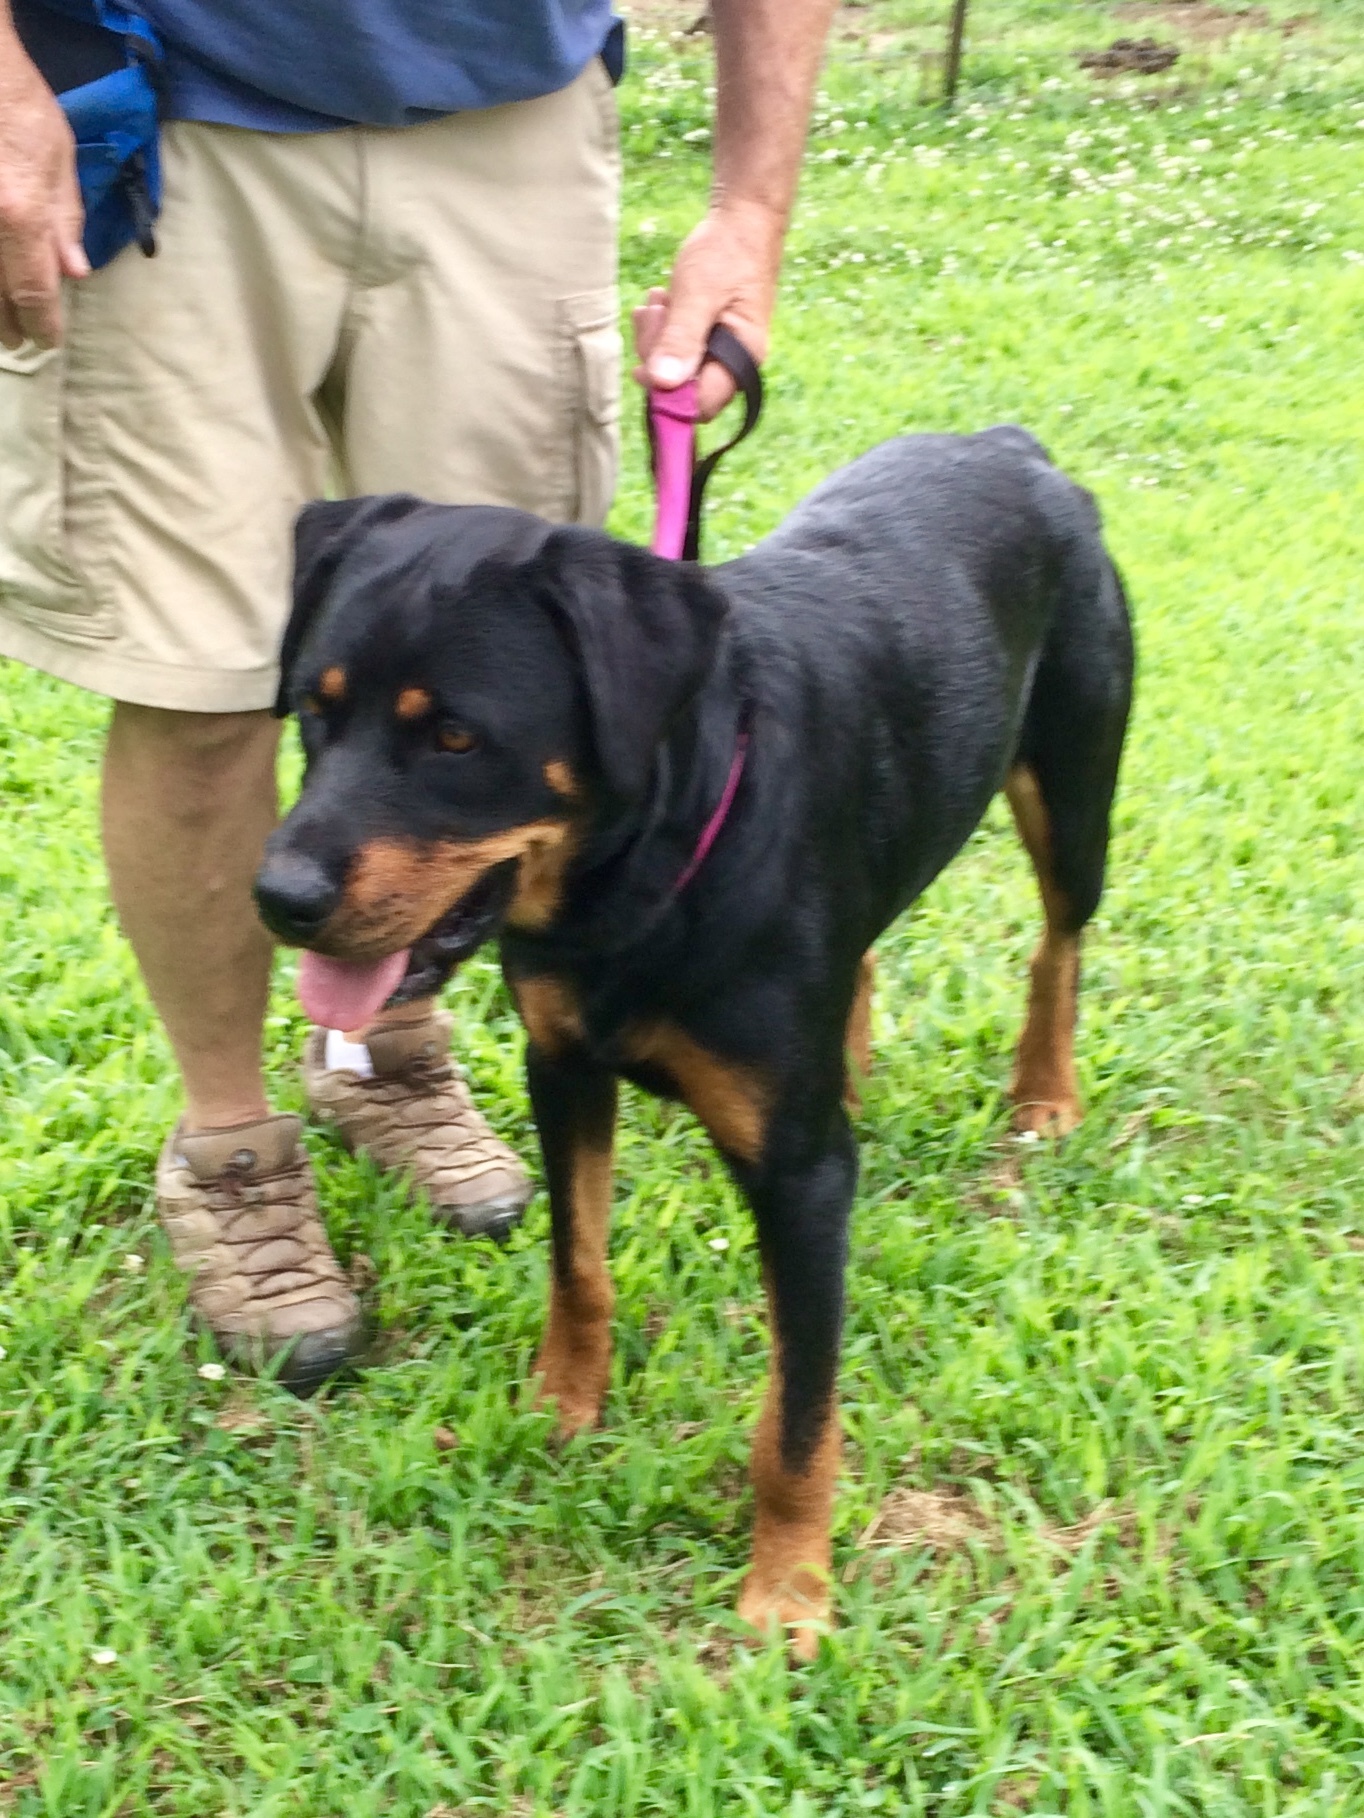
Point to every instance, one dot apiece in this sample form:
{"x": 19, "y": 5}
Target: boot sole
{"x": 493, "y": 1218}
{"x": 301, "y": 1365}
{"x": 496, "y": 1219}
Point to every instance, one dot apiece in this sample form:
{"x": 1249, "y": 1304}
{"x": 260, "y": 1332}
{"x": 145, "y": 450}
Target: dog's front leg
{"x": 575, "y": 1108}
{"x": 801, "y": 1201}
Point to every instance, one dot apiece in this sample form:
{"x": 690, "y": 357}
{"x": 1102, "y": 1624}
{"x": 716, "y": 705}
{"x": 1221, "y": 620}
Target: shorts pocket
{"x": 36, "y": 573}
{"x": 592, "y": 350}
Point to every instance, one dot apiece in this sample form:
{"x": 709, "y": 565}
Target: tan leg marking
{"x": 789, "y": 1580}
{"x": 730, "y": 1100}
{"x": 1044, "y": 1090}
{"x": 574, "y": 1361}
{"x": 549, "y": 1010}
{"x": 858, "y": 1039}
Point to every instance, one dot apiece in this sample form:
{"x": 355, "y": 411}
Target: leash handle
{"x": 670, "y": 418}
{"x": 672, "y": 437}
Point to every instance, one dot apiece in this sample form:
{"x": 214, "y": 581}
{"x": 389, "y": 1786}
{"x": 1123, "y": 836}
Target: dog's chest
{"x": 654, "y": 1052}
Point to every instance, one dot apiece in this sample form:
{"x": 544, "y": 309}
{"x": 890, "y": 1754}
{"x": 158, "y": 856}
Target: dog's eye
{"x": 456, "y": 738}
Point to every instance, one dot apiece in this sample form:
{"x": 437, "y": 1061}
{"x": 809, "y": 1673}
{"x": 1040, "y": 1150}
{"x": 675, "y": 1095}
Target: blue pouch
{"x": 113, "y": 115}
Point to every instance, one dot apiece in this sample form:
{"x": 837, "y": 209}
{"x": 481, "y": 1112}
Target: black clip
{"x": 133, "y": 181}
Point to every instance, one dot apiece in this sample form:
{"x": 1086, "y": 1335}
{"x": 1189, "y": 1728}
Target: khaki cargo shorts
{"x": 430, "y": 310}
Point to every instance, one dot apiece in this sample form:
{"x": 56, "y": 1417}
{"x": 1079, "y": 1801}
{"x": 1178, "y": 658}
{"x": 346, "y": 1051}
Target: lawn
{"x": 1100, "y": 1532}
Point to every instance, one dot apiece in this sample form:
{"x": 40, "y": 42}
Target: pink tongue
{"x": 338, "y": 994}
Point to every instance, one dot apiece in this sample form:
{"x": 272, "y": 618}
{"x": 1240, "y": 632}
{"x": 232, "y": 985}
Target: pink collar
{"x": 673, "y": 417}
{"x": 711, "y": 831}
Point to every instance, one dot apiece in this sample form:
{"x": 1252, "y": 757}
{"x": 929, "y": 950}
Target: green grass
{"x": 1149, "y": 1338}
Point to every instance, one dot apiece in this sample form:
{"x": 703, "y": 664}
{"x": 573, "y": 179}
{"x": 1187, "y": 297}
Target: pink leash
{"x": 672, "y": 417}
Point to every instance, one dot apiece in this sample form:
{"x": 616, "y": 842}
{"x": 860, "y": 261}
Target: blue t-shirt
{"x": 307, "y": 65}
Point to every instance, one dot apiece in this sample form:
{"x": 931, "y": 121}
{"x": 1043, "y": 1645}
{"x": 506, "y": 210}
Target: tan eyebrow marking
{"x": 412, "y": 703}
{"x": 332, "y": 683}
{"x": 561, "y": 778}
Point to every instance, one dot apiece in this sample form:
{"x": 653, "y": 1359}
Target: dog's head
{"x": 474, "y": 687}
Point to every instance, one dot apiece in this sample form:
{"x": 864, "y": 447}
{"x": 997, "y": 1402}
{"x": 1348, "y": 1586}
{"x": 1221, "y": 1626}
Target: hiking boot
{"x": 241, "y": 1214}
{"x": 412, "y": 1114}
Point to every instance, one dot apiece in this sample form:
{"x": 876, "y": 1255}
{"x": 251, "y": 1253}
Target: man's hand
{"x": 725, "y": 271}
{"x": 767, "y": 56}
{"x": 41, "y": 218}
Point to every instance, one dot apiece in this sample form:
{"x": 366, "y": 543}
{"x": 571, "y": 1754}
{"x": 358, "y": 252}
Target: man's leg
{"x": 179, "y": 434}
{"x": 188, "y": 801}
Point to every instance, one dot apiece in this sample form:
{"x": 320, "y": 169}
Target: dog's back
{"x": 896, "y": 623}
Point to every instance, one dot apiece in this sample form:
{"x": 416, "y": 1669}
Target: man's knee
{"x": 208, "y": 739}
{"x": 195, "y": 761}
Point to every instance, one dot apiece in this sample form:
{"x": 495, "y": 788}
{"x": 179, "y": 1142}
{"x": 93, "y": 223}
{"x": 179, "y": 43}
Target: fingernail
{"x": 668, "y": 370}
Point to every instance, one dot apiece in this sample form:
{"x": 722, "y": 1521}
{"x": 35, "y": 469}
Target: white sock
{"x": 347, "y": 1057}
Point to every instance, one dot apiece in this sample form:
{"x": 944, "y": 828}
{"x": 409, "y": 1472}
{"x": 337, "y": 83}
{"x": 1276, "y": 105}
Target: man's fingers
{"x": 71, "y": 228}
{"x": 11, "y": 335}
{"x": 684, "y": 321}
{"x": 648, "y": 322}
{"x": 30, "y": 282}
{"x": 716, "y": 390}
{"x": 40, "y": 207}
{"x": 716, "y": 387}
{"x": 73, "y": 260}
{"x": 713, "y": 393}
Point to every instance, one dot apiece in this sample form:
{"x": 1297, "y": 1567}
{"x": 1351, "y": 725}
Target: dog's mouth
{"x": 346, "y": 994}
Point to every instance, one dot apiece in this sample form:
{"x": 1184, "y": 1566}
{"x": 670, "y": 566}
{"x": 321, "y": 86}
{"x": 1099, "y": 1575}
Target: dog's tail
{"x": 1076, "y": 718}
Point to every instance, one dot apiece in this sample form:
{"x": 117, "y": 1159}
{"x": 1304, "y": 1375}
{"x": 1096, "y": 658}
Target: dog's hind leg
{"x": 1044, "y": 1090}
{"x": 575, "y": 1109}
{"x": 1060, "y": 789}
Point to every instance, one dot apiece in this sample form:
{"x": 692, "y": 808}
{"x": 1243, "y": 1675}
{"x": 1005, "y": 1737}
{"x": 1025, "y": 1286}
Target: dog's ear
{"x": 644, "y": 632}
{"x": 324, "y": 533}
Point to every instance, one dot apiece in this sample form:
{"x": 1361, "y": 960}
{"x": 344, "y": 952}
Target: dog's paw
{"x": 573, "y": 1416}
{"x": 1053, "y": 1115}
{"x": 575, "y": 1396}
{"x": 798, "y": 1603}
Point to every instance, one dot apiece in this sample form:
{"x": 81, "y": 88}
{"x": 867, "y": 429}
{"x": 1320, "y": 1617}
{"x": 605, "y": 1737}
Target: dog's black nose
{"x": 294, "y": 895}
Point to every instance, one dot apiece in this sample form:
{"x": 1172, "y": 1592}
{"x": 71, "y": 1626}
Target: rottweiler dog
{"x": 687, "y": 800}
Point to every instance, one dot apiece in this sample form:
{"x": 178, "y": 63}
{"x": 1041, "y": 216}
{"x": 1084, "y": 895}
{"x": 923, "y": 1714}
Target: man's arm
{"x": 767, "y": 57}
{"x": 40, "y": 206}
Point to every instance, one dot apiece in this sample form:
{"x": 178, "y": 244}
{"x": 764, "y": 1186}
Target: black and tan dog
{"x": 688, "y": 800}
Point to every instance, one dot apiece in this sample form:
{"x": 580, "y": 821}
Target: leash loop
{"x": 670, "y": 418}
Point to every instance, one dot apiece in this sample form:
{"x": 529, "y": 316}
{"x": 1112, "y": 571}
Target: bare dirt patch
{"x": 943, "y": 1520}
{"x": 1130, "y": 57}
{"x": 668, "y": 16}
{"x": 946, "y": 1521}
{"x": 691, "y": 19}
{"x": 1017, "y": 1793}
{"x": 1198, "y": 20}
